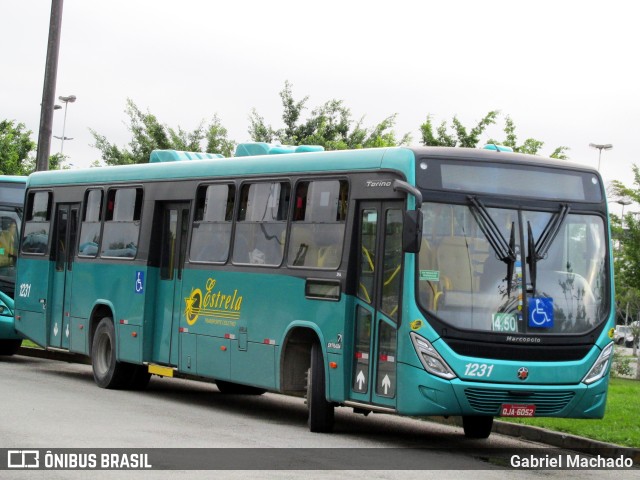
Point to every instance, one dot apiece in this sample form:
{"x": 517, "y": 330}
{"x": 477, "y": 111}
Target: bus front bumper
{"x": 426, "y": 394}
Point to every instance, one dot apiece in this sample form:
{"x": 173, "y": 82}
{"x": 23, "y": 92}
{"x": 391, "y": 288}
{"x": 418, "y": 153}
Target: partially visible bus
{"x": 416, "y": 281}
{"x": 11, "y": 204}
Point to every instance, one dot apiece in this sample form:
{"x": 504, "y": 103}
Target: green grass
{"x": 621, "y": 422}
{"x": 29, "y": 344}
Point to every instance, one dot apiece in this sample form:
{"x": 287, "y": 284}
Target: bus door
{"x": 63, "y": 248}
{"x": 173, "y": 247}
{"x": 377, "y": 306}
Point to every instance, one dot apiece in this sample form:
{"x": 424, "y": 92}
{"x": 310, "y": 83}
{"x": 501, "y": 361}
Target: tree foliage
{"x": 627, "y": 258}
{"x": 149, "y": 134}
{"x": 15, "y": 148}
{"x": 626, "y": 234}
{"x": 329, "y": 125}
{"x": 530, "y": 146}
{"x": 470, "y": 138}
{"x": 461, "y": 136}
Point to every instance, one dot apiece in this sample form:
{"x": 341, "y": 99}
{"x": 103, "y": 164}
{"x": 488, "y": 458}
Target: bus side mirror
{"x": 412, "y": 231}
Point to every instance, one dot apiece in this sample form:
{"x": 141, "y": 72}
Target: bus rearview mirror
{"x": 412, "y": 231}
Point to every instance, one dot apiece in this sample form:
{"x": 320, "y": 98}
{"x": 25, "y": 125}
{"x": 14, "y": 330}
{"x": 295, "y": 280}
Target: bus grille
{"x": 489, "y": 401}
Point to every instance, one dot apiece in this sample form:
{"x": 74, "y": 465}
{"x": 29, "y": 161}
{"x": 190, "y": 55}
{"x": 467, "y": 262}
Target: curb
{"x": 552, "y": 438}
{"x": 565, "y": 440}
{"x": 526, "y": 432}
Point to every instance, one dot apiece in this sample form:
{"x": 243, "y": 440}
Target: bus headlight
{"x": 430, "y": 358}
{"x": 601, "y": 365}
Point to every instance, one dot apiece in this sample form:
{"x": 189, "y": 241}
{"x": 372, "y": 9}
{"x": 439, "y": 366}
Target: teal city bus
{"x": 11, "y": 204}
{"x": 415, "y": 281}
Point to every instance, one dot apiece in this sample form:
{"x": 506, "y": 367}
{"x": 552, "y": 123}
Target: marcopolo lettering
{"x": 524, "y": 339}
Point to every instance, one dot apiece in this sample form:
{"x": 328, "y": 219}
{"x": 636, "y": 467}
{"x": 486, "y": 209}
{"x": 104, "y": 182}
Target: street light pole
{"x": 623, "y": 202}
{"x": 66, "y": 101}
{"x": 600, "y": 147}
{"x": 48, "y": 91}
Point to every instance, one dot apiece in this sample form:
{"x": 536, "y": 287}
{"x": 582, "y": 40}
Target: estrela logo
{"x": 218, "y": 306}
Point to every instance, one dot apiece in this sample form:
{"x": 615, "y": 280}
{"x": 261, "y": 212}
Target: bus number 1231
{"x": 478, "y": 370}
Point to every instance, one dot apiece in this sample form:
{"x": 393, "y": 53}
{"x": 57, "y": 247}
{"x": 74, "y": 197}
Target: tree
{"x": 329, "y": 125}
{"x": 462, "y": 137}
{"x": 15, "y": 147}
{"x": 531, "y": 146}
{"x": 627, "y": 258}
{"x": 149, "y": 134}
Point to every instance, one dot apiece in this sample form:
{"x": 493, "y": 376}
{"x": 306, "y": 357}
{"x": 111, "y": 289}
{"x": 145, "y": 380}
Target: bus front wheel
{"x": 107, "y": 372}
{"x": 477, "y": 426}
{"x": 321, "y": 412}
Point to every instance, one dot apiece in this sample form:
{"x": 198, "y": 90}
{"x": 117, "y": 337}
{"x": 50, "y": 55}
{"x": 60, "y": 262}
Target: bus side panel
{"x": 31, "y": 299}
{"x": 213, "y": 355}
{"x": 78, "y": 341}
{"x": 117, "y": 287}
{"x": 188, "y": 359}
{"x": 255, "y": 365}
{"x": 130, "y": 343}
{"x": 251, "y": 310}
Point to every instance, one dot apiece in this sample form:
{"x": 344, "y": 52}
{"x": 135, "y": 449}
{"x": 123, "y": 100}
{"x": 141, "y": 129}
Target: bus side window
{"x": 91, "y": 222}
{"x": 317, "y": 230}
{"x": 122, "y": 223}
{"x": 262, "y": 223}
{"x": 211, "y": 236}
{"x": 37, "y": 223}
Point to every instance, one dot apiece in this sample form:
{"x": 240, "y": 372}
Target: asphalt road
{"x": 51, "y": 404}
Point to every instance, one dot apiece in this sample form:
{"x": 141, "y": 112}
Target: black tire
{"x": 140, "y": 377}
{"x": 9, "y": 347}
{"x": 321, "y": 412}
{"x": 477, "y": 426}
{"x": 230, "y": 388}
{"x": 107, "y": 372}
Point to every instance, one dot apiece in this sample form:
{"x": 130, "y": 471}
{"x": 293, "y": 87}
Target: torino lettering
{"x": 378, "y": 183}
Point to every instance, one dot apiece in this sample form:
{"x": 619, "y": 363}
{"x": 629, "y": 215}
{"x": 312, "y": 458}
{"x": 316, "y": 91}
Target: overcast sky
{"x": 565, "y": 71}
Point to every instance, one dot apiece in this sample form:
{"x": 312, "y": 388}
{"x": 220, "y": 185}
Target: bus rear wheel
{"x": 321, "y": 412}
{"x": 477, "y": 426}
{"x": 9, "y": 347}
{"x": 107, "y": 371}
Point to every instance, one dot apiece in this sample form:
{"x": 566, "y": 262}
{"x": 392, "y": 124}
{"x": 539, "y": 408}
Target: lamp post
{"x": 623, "y": 202}
{"x": 66, "y": 101}
{"x": 600, "y": 147}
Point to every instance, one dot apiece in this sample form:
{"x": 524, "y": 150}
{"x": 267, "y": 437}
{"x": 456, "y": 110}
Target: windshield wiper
{"x": 539, "y": 249}
{"x": 505, "y": 251}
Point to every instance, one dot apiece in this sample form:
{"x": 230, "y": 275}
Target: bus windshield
{"x": 513, "y": 270}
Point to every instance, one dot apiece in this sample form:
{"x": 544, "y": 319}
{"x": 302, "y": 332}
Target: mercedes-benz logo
{"x": 523, "y": 373}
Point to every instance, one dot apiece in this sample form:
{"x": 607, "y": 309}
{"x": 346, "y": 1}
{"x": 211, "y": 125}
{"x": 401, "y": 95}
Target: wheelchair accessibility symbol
{"x": 140, "y": 282}
{"x": 541, "y": 312}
